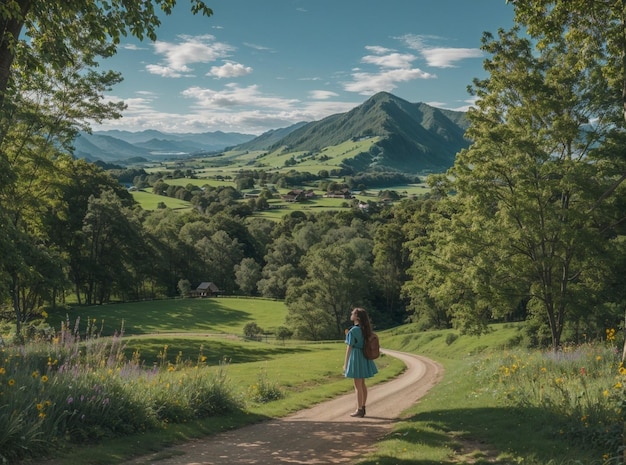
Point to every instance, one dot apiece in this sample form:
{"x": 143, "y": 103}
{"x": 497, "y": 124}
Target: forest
{"x": 528, "y": 224}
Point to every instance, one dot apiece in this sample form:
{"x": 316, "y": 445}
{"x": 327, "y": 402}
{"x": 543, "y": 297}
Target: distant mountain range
{"x": 412, "y": 137}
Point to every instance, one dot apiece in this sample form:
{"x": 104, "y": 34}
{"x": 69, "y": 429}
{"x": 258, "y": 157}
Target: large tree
{"x": 527, "y": 223}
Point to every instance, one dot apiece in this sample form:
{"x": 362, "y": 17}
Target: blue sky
{"x": 259, "y": 65}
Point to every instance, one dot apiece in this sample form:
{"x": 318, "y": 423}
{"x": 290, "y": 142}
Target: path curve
{"x": 322, "y": 434}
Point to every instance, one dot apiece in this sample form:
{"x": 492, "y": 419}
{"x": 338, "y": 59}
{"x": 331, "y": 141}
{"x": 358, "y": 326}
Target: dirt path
{"x": 323, "y": 434}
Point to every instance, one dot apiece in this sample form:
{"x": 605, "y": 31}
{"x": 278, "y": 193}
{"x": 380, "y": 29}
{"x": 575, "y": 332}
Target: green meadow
{"x": 497, "y": 403}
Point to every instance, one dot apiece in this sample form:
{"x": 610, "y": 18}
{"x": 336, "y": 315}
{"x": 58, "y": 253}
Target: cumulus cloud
{"x": 370, "y": 83}
{"x": 439, "y": 57}
{"x": 229, "y": 70}
{"x": 391, "y": 60}
{"x": 177, "y": 57}
{"x": 393, "y": 68}
{"x": 322, "y": 94}
{"x": 447, "y": 57}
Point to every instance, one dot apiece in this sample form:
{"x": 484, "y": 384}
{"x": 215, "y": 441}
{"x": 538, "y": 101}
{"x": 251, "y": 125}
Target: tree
{"x": 184, "y": 287}
{"x": 339, "y": 277}
{"x": 247, "y": 275}
{"x": 252, "y": 330}
{"x": 599, "y": 29}
{"x": 220, "y": 254}
{"x": 390, "y": 263}
{"x": 524, "y": 225}
{"x": 57, "y": 28}
{"x": 42, "y": 112}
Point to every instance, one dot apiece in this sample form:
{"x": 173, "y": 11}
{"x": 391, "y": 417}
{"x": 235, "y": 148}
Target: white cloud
{"x": 447, "y": 57}
{"x": 392, "y": 60}
{"x": 371, "y": 83}
{"x": 322, "y": 94}
{"x": 439, "y": 57}
{"x": 229, "y": 70}
{"x": 378, "y": 50}
{"x": 163, "y": 71}
{"x": 191, "y": 49}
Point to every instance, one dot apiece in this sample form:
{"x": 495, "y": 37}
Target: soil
{"x": 323, "y": 434}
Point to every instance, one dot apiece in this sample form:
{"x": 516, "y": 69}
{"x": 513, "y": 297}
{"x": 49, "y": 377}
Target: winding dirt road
{"x": 323, "y": 434}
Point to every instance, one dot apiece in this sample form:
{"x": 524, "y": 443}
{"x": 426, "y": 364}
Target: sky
{"x": 259, "y": 65}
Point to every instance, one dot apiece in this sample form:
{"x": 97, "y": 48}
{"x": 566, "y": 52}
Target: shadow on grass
{"x": 156, "y": 316}
{"x": 490, "y": 435}
{"x": 216, "y": 351}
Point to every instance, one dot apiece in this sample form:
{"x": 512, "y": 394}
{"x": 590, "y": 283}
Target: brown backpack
{"x": 371, "y": 349}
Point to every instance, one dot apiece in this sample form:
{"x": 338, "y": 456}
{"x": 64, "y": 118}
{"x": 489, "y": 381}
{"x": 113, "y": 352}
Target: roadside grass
{"x": 277, "y": 373}
{"x": 500, "y": 404}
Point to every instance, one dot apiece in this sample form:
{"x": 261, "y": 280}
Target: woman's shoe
{"x": 358, "y": 413}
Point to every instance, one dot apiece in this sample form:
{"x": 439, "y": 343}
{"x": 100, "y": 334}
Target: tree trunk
{"x": 9, "y": 35}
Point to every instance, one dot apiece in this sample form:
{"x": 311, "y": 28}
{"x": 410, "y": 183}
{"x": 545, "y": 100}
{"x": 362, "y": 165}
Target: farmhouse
{"x": 344, "y": 193}
{"x": 206, "y": 289}
{"x": 298, "y": 195}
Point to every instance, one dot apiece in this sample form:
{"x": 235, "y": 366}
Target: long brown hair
{"x": 364, "y": 322}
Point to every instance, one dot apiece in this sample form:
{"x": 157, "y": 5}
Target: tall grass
{"x": 76, "y": 389}
{"x": 582, "y": 385}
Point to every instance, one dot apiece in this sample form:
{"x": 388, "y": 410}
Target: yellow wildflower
{"x": 11, "y": 382}
{"x": 44, "y": 379}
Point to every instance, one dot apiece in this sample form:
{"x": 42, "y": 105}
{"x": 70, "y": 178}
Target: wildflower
{"x": 171, "y": 368}
{"x": 598, "y": 358}
{"x": 610, "y": 334}
{"x": 44, "y": 314}
{"x": 35, "y": 374}
{"x": 558, "y": 380}
{"x": 2, "y": 371}
{"x": 583, "y": 372}
{"x": 622, "y": 371}
{"x": 618, "y": 385}
{"x": 42, "y": 415}
{"x": 70, "y": 400}
{"x": 11, "y": 382}
{"x": 605, "y": 393}
{"x": 40, "y": 406}
{"x": 44, "y": 379}
{"x": 544, "y": 369}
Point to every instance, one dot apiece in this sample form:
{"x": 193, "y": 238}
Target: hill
{"x": 385, "y": 133}
{"x": 119, "y": 146}
{"x": 412, "y": 137}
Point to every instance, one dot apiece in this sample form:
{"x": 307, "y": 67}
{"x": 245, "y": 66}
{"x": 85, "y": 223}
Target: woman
{"x": 355, "y": 365}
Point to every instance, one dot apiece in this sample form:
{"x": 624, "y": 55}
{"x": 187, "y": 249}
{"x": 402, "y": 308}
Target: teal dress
{"x": 358, "y": 366}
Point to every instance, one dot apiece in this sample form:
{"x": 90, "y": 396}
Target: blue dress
{"x": 358, "y": 366}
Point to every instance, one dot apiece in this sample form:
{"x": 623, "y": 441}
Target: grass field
{"x": 223, "y": 315}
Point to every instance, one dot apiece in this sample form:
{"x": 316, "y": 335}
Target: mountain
{"x": 414, "y": 137}
{"x": 116, "y": 145}
{"x": 106, "y": 148}
{"x": 269, "y": 138}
